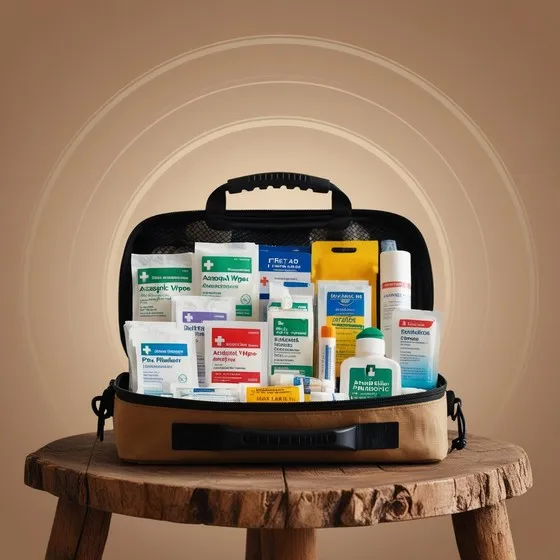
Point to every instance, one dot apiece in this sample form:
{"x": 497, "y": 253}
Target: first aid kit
{"x": 277, "y": 336}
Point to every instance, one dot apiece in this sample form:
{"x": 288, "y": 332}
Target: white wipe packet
{"x": 164, "y": 358}
{"x": 155, "y": 278}
{"x": 191, "y": 312}
{"x": 129, "y": 333}
{"x": 231, "y": 270}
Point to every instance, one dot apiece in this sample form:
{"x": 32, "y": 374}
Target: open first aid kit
{"x": 279, "y": 336}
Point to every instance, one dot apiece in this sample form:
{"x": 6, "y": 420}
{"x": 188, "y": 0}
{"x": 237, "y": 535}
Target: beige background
{"x": 446, "y": 112}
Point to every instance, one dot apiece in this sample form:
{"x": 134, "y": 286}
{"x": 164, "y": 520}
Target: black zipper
{"x": 356, "y": 404}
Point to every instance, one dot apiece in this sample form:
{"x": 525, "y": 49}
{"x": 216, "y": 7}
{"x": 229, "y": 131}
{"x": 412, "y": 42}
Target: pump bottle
{"x": 369, "y": 374}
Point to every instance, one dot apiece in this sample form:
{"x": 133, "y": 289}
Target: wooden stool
{"x": 280, "y": 507}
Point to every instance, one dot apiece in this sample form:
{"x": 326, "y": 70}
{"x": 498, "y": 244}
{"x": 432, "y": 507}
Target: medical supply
{"x": 369, "y": 374}
{"x": 130, "y": 328}
{"x": 290, "y": 295}
{"x": 281, "y": 264}
{"x": 411, "y": 390}
{"x": 327, "y": 353}
{"x": 317, "y": 396}
{"x": 344, "y": 305}
{"x": 155, "y": 278}
{"x": 164, "y": 358}
{"x": 395, "y": 287}
{"x": 416, "y": 345}
{"x": 251, "y": 394}
{"x": 235, "y": 352}
{"x": 310, "y": 384}
{"x": 191, "y": 312}
{"x": 347, "y": 260}
{"x": 206, "y": 394}
{"x": 290, "y": 338}
{"x": 232, "y": 270}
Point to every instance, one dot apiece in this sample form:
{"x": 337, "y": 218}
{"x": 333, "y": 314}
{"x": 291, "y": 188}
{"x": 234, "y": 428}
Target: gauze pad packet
{"x": 235, "y": 352}
{"x": 155, "y": 278}
{"x": 231, "y": 270}
{"x": 164, "y": 358}
{"x": 190, "y": 314}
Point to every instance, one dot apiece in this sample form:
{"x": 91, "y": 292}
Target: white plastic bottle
{"x": 394, "y": 287}
{"x": 369, "y": 374}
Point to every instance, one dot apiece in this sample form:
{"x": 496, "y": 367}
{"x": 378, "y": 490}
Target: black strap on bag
{"x": 217, "y": 217}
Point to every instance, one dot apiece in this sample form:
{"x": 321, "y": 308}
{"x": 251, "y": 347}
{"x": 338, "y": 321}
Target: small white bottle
{"x": 394, "y": 287}
{"x": 369, "y": 374}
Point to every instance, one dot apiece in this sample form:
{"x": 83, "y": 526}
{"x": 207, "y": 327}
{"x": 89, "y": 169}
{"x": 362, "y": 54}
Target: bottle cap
{"x": 328, "y": 332}
{"x": 370, "y": 332}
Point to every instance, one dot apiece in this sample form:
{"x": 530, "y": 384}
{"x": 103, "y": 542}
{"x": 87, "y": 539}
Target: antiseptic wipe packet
{"x": 190, "y": 314}
{"x": 232, "y": 270}
{"x": 155, "y": 278}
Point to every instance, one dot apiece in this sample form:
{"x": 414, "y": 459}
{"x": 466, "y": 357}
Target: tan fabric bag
{"x": 154, "y": 429}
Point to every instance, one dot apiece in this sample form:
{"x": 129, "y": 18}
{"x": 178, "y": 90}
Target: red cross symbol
{"x": 264, "y": 281}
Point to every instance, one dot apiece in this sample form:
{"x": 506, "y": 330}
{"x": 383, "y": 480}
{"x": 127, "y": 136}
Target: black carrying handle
{"x": 216, "y": 216}
{"x": 215, "y": 437}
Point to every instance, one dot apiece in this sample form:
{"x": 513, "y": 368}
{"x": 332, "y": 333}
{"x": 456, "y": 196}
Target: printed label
{"x": 237, "y": 355}
{"x": 167, "y": 349}
{"x": 304, "y": 371}
{"x": 157, "y": 285}
{"x": 273, "y": 394}
{"x": 370, "y": 382}
{"x": 345, "y": 312}
{"x": 291, "y": 327}
{"x": 417, "y": 341}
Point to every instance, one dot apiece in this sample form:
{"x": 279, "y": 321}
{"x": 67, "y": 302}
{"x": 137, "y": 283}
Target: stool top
{"x": 83, "y": 470}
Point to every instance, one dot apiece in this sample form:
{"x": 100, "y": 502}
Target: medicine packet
{"x": 191, "y": 312}
{"x": 281, "y": 263}
{"x": 231, "y": 270}
{"x": 348, "y": 260}
{"x": 291, "y": 295}
{"x": 290, "y": 338}
{"x": 164, "y": 358}
{"x": 346, "y": 306}
{"x": 155, "y": 278}
{"x": 235, "y": 352}
{"x": 129, "y": 335}
{"x": 416, "y": 346}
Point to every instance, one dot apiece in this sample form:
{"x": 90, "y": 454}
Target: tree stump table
{"x": 279, "y": 506}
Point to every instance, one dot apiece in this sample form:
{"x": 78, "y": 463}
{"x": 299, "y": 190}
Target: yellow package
{"x": 347, "y": 260}
{"x": 276, "y": 394}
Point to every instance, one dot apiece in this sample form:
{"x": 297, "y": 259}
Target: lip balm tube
{"x": 327, "y": 353}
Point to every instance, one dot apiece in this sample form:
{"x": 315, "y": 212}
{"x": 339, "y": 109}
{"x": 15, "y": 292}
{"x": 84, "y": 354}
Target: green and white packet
{"x": 155, "y": 278}
{"x": 229, "y": 270}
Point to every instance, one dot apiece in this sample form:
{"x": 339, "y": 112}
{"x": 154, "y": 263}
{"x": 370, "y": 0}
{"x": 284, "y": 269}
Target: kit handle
{"x": 218, "y": 218}
{"x": 214, "y": 437}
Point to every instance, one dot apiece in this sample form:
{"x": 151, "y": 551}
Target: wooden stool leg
{"x": 253, "y": 545}
{"x": 484, "y": 534}
{"x": 288, "y": 544}
{"x": 78, "y": 532}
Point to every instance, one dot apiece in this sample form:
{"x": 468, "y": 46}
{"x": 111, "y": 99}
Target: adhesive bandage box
{"x": 235, "y": 352}
{"x": 251, "y": 394}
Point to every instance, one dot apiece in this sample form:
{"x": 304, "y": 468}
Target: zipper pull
{"x": 105, "y": 409}
{"x": 460, "y": 442}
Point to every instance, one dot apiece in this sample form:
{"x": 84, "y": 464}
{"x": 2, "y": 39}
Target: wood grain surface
{"x": 484, "y": 474}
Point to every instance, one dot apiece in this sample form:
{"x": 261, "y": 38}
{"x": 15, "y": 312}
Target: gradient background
{"x": 446, "y": 112}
